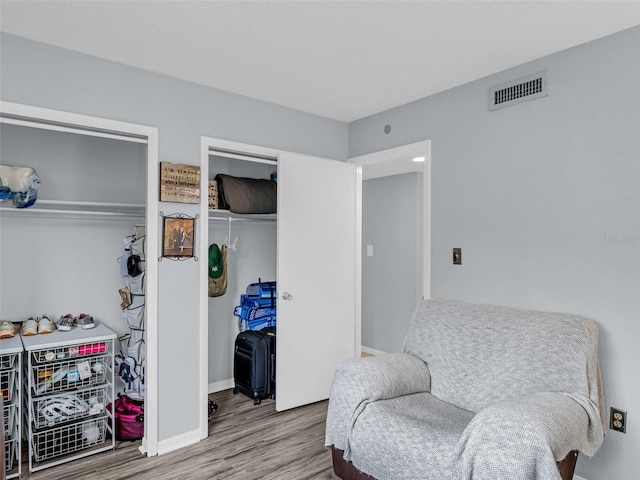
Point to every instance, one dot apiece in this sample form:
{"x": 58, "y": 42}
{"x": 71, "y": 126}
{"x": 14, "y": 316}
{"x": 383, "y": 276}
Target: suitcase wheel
{"x": 256, "y": 401}
{"x": 236, "y": 391}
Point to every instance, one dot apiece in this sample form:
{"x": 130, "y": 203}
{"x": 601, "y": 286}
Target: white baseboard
{"x": 143, "y": 446}
{"x": 221, "y": 385}
{"x": 179, "y": 441}
{"x": 190, "y": 438}
{"x": 372, "y": 351}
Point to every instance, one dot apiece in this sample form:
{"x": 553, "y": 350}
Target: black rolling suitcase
{"x": 254, "y": 365}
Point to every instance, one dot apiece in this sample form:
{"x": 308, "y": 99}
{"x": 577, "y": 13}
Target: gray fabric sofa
{"x": 479, "y": 392}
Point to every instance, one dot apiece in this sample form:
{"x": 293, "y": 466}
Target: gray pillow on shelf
{"x": 247, "y": 195}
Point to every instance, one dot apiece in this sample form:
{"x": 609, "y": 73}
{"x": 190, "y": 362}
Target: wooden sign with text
{"x": 179, "y": 183}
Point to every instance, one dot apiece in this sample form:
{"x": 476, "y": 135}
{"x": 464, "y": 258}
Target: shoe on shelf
{"x": 29, "y": 327}
{"x": 65, "y": 323}
{"x": 45, "y": 325}
{"x": 7, "y": 329}
{"x": 85, "y": 321}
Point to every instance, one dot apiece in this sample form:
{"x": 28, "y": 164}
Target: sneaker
{"x": 7, "y": 329}
{"x": 29, "y": 327}
{"x": 65, "y": 323}
{"x": 45, "y": 325}
{"x": 85, "y": 321}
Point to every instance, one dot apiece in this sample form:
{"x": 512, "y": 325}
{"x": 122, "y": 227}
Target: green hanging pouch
{"x": 217, "y": 270}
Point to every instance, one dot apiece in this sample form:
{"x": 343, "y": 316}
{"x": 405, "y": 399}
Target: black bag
{"x": 254, "y": 365}
{"x": 134, "y": 265}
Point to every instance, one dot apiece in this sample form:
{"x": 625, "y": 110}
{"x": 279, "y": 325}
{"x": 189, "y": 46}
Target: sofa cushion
{"x": 482, "y": 354}
{"x": 412, "y": 433}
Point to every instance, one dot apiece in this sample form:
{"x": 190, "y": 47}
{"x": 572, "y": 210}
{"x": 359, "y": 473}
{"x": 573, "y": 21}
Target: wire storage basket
{"x": 73, "y": 352}
{"x": 7, "y": 361}
{"x": 69, "y": 406}
{"x": 9, "y": 453}
{"x": 74, "y": 373}
{"x": 7, "y": 383}
{"x": 69, "y": 383}
{"x": 70, "y": 438}
{"x": 9, "y": 419}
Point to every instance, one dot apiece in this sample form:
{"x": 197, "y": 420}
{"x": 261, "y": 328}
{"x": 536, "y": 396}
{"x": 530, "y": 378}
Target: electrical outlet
{"x": 618, "y": 420}
{"x": 457, "y": 256}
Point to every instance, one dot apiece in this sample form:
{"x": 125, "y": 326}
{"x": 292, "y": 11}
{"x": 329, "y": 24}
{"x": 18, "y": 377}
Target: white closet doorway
{"x": 77, "y": 185}
{"x": 318, "y": 261}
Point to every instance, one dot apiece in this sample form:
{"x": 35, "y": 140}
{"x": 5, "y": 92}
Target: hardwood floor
{"x": 245, "y": 442}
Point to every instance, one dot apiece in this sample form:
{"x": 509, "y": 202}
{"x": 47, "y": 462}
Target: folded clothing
{"x": 19, "y": 184}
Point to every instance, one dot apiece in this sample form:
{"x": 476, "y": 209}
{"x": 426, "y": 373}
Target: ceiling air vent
{"x": 518, "y": 91}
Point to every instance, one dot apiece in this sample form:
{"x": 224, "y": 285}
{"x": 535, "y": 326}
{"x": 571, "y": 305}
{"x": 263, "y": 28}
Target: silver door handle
{"x": 286, "y": 296}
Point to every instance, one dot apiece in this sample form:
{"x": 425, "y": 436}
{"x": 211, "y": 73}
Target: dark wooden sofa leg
{"x": 568, "y": 464}
{"x": 346, "y": 471}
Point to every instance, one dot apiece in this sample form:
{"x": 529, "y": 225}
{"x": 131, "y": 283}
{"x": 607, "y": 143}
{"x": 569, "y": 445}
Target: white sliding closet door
{"x": 319, "y": 237}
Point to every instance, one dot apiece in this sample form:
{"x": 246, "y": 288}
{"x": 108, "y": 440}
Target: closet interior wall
{"x": 254, "y": 257}
{"x": 67, "y": 263}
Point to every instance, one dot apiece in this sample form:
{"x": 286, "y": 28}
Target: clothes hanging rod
{"x": 69, "y": 128}
{"x": 54, "y": 212}
{"x": 241, "y": 219}
{"x": 77, "y": 208}
{"x": 243, "y": 156}
{"x": 89, "y": 204}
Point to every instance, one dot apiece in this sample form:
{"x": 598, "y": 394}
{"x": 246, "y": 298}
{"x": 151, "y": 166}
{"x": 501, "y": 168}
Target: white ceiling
{"x": 339, "y": 59}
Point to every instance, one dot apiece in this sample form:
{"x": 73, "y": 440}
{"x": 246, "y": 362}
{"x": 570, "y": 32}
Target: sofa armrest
{"x": 524, "y": 437}
{"x": 361, "y": 381}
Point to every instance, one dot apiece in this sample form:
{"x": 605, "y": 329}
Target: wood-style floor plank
{"x": 245, "y": 442}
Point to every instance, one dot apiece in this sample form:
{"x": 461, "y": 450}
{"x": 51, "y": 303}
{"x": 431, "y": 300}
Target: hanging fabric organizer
{"x": 130, "y": 363}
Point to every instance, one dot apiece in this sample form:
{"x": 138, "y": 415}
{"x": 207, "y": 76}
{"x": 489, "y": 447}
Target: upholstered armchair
{"x": 479, "y": 392}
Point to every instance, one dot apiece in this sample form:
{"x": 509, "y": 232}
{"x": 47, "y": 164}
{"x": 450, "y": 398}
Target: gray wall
{"x": 42, "y": 75}
{"x": 392, "y": 277}
{"x": 48, "y": 262}
{"x": 543, "y": 197}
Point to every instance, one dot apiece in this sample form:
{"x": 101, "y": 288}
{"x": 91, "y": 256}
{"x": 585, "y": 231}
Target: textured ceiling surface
{"x": 339, "y": 59}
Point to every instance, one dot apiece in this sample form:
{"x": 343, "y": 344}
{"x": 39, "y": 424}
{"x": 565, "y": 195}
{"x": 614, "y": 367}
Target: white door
{"x": 319, "y": 237}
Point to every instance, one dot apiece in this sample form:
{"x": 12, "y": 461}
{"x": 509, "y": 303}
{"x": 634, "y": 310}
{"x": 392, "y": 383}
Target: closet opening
{"x": 286, "y": 247}
{"x": 248, "y": 242}
{"x": 98, "y": 186}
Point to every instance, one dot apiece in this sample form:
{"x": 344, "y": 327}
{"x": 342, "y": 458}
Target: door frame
{"x": 62, "y": 121}
{"x": 396, "y": 161}
{"x": 240, "y": 150}
{"x": 246, "y": 151}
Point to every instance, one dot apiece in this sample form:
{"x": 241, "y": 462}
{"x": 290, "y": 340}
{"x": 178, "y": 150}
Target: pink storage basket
{"x": 129, "y": 418}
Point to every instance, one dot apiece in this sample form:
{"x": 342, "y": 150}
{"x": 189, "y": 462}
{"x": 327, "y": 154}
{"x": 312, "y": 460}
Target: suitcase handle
{"x": 273, "y": 367}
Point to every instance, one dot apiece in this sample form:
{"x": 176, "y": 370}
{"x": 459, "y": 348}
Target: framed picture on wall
{"x": 178, "y": 236}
